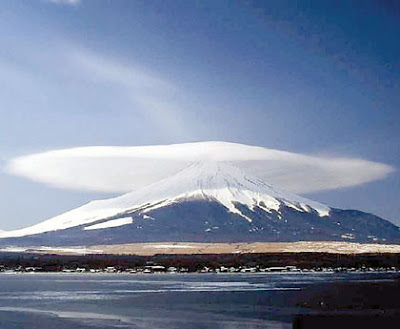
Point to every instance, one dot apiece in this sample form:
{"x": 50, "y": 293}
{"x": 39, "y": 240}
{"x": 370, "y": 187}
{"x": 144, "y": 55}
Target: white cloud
{"x": 123, "y": 169}
{"x": 97, "y": 81}
{"x": 66, "y": 2}
{"x": 144, "y": 91}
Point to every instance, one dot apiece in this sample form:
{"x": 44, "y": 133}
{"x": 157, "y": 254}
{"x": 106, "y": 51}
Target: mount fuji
{"x": 207, "y": 201}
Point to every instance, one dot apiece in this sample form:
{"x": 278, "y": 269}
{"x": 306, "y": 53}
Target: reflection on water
{"x": 160, "y": 301}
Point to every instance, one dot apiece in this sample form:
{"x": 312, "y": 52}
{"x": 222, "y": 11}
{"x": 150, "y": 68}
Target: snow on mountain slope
{"x": 110, "y": 223}
{"x": 216, "y": 181}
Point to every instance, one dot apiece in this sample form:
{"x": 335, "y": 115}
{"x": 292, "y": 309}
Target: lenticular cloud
{"x": 124, "y": 169}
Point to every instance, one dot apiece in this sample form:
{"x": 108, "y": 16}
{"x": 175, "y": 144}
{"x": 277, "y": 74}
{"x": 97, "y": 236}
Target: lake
{"x": 191, "y": 301}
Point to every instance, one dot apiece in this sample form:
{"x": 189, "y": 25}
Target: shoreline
{"x": 388, "y": 272}
{"x": 197, "y": 248}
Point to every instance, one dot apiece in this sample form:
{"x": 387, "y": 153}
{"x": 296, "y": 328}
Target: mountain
{"x": 205, "y": 202}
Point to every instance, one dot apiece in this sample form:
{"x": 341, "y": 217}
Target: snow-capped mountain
{"x": 213, "y": 181}
{"x": 206, "y": 201}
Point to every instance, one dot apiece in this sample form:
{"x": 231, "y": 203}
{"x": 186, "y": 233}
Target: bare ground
{"x": 148, "y": 249}
{"x": 187, "y": 248}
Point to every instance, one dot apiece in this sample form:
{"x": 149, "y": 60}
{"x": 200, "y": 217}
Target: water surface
{"x": 191, "y": 301}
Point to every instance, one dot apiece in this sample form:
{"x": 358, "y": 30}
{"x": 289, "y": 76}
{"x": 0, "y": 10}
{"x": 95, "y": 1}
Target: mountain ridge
{"x": 207, "y": 201}
{"x": 209, "y": 180}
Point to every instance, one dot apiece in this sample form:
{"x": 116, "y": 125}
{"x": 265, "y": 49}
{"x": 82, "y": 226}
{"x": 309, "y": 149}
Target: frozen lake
{"x": 165, "y": 301}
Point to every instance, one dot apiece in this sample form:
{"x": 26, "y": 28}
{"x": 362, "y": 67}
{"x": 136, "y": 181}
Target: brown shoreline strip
{"x": 193, "y": 248}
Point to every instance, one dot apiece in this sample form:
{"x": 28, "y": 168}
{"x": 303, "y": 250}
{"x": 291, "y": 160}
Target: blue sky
{"x": 319, "y": 77}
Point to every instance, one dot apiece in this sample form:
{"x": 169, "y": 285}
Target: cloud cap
{"x": 127, "y": 168}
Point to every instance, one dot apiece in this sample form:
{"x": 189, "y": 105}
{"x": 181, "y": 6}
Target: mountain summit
{"x": 208, "y": 201}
